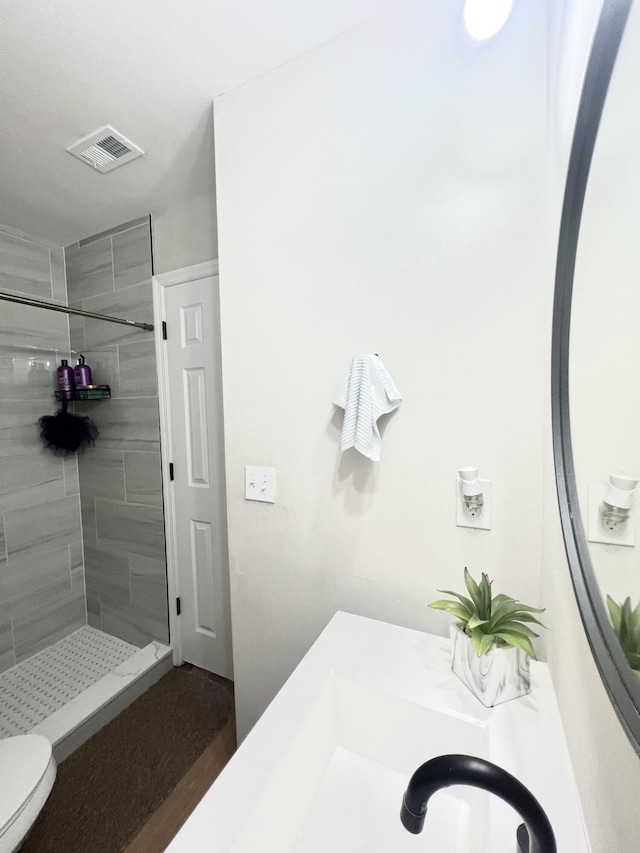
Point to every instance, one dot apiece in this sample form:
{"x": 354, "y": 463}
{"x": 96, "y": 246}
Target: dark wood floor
{"x": 164, "y": 823}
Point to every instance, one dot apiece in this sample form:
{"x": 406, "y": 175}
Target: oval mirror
{"x": 596, "y": 349}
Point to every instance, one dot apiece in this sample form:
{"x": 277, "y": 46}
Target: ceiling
{"x": 149, "y": 68}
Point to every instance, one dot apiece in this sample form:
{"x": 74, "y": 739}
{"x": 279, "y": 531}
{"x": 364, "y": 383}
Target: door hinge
{"x": 171, "y": 470}
{"x": 164, "y": 331}
{"x": 178, "y": 606}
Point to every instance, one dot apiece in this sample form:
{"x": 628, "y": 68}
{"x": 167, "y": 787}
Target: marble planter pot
{"x": 496, "y": 677}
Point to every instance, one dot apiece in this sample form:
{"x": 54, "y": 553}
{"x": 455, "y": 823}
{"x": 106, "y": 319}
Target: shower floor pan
{"x": 71, "y": 689}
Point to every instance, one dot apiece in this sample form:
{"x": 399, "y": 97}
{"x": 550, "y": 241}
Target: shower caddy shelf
{"x": 102, "y": 392}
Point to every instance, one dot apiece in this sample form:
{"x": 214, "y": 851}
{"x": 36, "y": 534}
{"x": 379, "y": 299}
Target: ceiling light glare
{"x": 484, "y": 18}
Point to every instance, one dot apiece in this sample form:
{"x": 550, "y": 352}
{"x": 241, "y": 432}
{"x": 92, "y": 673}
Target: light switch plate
{"x": 595, "y": 530}
{"x": 483, "y": 521}
{"x": 260, "y": 484}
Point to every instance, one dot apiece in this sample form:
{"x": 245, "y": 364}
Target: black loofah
{"x": 64, "y": 433}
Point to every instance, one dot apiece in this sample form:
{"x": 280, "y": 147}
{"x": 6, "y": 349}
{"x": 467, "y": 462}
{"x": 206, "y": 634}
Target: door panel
{"x": 197, "y": 441}
{"x": 195, "y": 407}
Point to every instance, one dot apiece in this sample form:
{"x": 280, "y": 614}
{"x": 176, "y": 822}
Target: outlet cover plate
{"x": 260, "y": 484}
{"x": 595, "y": 530}
{"x": 483, "y": 521}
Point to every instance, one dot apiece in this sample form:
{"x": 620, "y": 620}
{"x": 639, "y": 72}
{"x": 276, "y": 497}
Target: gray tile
{"x": 125, "y": 226}
{"x": 94, "y": 614}
{"x": 132, "y": 623}
{"x": 44, "y": 331}
{"x": 7, "y": 654}
{"x": 82, "y": 407}
{"x": 132, "y": 256}
{"x": 28, "y": 585}
{"x": 89, "y": 269}
{"x": 107, "y": 573}
{"x": 45, "y": 527}
{"x": 3, "y": 544}
{"x": 19, "y": 427}
{"x": 138, "y": 371}
{"x": 62, "y": 615}
{"x": 131, "y": 303}
{"x": 95, "y": 621}
{"x": 148, "y": 580}
{"x": 131, "y": 424}
{"x": 132, "y": 528}
{"x": 76, "y": 565}
{"x": 150, "y": 593}
{"x": 143, "y": 478}
{"x": 104, "y": 367}
{"x": 24, "y": 267}
{"x": 58, "y": 277}
{"x": 25, "y": 375}
{"x": 147, "y": 567}
{"x": 76, "y": 330}
{"x": 71, "y": 478}
{"x": 102, "y": 473}
{"x": 30, "y": 479}
{"x": 88, "y": 510}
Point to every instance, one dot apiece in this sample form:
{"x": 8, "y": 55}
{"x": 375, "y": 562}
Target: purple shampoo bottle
{"x": 82, "y": 373}
{"x": 65, "y": 380}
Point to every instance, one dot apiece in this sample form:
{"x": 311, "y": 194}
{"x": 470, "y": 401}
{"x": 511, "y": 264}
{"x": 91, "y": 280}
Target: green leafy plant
{"x": 626, "y": 623}
{"x": 491, "y": 622}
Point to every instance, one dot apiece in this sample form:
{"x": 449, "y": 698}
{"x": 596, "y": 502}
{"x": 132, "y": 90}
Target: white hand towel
{"x": 366, "y": 393}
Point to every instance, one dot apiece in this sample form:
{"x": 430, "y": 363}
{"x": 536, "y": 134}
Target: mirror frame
{"x": 621, "y": 684}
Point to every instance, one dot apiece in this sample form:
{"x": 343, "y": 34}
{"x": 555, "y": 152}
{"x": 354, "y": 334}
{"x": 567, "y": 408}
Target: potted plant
{"x": 626, "y": 624}
{"x": 490, "y": 641}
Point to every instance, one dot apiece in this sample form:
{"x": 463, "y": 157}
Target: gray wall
{"x": 186, "y": 233}
{"x": 120, "y": 478}
{"x": 42, "y": 595}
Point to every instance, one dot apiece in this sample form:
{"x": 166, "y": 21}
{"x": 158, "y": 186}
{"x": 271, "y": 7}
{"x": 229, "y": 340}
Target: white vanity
{"x": 325, "y": 768}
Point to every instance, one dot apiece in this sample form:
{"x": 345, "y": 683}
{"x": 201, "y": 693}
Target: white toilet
{"x": 27, "y": 774}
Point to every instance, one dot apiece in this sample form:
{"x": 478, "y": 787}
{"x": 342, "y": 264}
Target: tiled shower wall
{"x": 120, "y": 478}
{"x": 42, "y": 595}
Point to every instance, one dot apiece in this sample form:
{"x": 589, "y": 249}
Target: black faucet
{"x": 534, "y": 835}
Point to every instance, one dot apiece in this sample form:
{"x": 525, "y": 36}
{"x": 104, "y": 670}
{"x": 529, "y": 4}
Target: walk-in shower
{"x": 83, "y": 595}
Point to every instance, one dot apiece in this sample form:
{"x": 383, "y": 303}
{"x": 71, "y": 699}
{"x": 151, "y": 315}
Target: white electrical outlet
{"x": 260, "y": 484}
{"x": 474, "y": 516}
{"x": 615, "y": 534}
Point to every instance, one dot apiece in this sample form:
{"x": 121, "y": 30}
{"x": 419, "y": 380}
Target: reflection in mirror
{"x": 625, "y": 619}
{"x": 604, "y": 367}
{"x": 596, "y": 346}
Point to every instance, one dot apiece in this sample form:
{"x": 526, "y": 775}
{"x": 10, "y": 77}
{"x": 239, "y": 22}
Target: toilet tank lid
{"x": 24, "y": 760}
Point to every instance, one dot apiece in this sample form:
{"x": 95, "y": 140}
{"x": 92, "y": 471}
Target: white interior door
{"x": 194, "y": 374}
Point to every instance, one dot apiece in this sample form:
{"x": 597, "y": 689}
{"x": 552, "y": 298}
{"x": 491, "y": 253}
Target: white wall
{"x": 375, "y": 196}
{"x": 382, "y": 193}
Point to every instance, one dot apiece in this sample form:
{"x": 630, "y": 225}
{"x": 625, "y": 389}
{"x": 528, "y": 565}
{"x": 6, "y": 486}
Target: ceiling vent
{"x": 106, "y": 149}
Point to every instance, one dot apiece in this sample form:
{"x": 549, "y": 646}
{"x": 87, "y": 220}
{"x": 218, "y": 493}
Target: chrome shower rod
{"x": 51, "y": 306}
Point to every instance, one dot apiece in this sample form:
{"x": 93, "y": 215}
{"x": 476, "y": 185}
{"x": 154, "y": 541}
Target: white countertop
{"x": 325, "y": 767}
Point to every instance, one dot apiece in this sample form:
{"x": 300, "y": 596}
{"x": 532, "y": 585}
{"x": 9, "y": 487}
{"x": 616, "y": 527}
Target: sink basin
{"x": 340, "y": 784}
{"x": 326, "y": 766}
